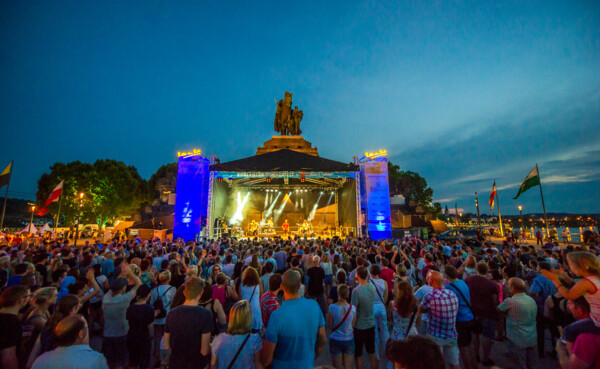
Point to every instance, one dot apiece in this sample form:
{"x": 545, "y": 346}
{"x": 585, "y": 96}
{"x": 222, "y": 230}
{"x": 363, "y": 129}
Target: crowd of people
{"x": 226, "y": 303}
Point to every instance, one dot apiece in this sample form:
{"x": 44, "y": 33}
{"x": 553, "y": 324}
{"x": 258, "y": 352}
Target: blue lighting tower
{"x": 375, "y": 194}
{"x": 191, "y": 203}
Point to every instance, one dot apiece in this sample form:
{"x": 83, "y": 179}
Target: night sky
{"x": 461, "y": 92}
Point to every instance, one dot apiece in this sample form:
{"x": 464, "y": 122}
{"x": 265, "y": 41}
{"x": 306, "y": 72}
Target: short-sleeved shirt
{"x": 521, "y": 319}
{"x": 587, "y": 349}
{"x": 484, "y": 296}
{"x": 294, "y": 328}
{"x": 71, "y": 357}
{"x": 268, "y": 304}
{"x": 464, "y": 311}
{"x": 443, "y": 309}
{"x": 363, "y": 297}
{"x": 543, "y": 287}
{"x": 186, "y": 325}
{"x": 115, "y": 312}
{"x": 344, "y": 332}
{"x": 139, "y": 317}
{"x": 11, "y": 331}
{"x": 316, "y": 276}
{"x": 225, "y": 346}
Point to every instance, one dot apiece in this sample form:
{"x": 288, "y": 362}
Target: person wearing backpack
{"x": 160, "y": 299}
{"x": 341, "y": 319}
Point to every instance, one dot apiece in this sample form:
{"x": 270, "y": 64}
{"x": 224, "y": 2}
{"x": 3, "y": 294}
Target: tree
{"x": 78, "y": 177}
{"x": 413, "y": 187}
{"x": 110, "y": 188}
{"x": 117, "y": 190}
{"x": 167, "y": 171}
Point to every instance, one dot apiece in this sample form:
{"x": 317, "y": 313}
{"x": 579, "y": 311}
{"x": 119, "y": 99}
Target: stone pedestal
{"x": 296, "y": 143}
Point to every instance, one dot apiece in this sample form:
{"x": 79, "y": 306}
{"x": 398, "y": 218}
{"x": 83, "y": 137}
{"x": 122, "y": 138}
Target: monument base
{"x": 296, "y": 143}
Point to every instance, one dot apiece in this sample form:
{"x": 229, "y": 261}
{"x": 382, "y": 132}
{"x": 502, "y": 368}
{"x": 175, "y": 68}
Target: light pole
{"x": 521, "y": 212}
{"x": 78, "y": 218}
{"x": 477, "y": 205}
{"x": 31, "y": 220}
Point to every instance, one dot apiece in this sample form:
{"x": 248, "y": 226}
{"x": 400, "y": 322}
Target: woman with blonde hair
{"x": 36, "y": 320}
{"x": 251, "y": 290}
{"x": 586, "y": 265}
{"x": 238, "y": 348}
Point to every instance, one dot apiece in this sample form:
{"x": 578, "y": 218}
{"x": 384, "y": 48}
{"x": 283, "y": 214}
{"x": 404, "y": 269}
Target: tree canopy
{"x": 110, "y": 188}
{"x": 165, "y": 171}
{"x": 413, "y": 187}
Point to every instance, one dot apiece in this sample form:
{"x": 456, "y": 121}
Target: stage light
{"x": 311, "y": 215}
{"x": 237, "y": 216}
{"x": 332, "y": 192}
{"x": 281, "y": 207}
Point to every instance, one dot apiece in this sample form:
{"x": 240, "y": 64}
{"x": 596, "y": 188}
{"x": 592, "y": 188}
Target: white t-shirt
{"x": 343, "y": 333}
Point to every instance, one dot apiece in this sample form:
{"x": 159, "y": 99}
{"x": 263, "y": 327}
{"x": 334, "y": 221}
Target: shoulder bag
{"x": 343, "y": 319}
{"x": 238, "y": 352}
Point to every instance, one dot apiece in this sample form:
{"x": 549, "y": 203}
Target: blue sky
{"x": 461, "y": 92}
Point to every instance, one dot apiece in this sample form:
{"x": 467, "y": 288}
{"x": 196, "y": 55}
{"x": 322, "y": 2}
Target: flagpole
{"x": 543, "y": 205}
{"x": 57, "y": 215}
{"x": 499, "y": 215}
{"x": 6, "y": 195}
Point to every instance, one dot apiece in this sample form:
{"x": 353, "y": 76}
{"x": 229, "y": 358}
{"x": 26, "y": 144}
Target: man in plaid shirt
{"x": 268, "y": 301}
{"x": 442, "y": 306}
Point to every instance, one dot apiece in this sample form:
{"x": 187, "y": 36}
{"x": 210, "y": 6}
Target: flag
{"x": 532, "y": 180}
{"x": 5, "y": 175}
{"x": 56, "y": 193}
{"x": 492, "y": 197}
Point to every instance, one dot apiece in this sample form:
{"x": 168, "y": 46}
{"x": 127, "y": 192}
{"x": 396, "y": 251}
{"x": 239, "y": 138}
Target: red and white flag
{"x": 56, "y": 193}
{"x": 492, "y": 197}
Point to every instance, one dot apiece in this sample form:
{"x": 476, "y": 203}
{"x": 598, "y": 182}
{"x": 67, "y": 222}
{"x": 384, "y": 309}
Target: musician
{"x": 286, "y": 227}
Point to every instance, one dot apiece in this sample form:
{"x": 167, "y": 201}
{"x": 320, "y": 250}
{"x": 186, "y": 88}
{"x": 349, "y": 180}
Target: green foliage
{"x": 165, "y": 171}
{"x": 413, "y": 187}
{"x": 110, "y": 189}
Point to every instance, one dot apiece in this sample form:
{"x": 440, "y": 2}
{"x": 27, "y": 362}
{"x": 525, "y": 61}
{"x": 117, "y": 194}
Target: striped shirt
{"x": 520, "y": 322}
{"x": 594, "y": 300}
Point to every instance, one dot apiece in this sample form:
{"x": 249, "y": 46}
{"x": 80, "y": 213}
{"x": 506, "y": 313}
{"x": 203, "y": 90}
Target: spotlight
{"x": 332, "y": 192}
{"x": 321, "y": 192}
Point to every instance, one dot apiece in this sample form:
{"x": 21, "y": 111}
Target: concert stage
{"x": 280, "y": 185}
{"x": 285, "y": 180}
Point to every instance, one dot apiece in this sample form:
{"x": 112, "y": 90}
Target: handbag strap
{"x": 463, "y": 297}
{"x": 343, "y": 319}
{"x": 410, "y": 324}
{"x": 377, "y": 289}
{"x": 251, "y": 296}
{"x": 238, "y": 352}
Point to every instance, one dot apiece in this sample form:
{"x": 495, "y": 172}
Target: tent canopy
{"x": 32, "y": 230}
{"x": 45, "y": 228}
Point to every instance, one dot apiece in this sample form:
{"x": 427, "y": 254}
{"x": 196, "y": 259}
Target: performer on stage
{"x": 286, "y": 227}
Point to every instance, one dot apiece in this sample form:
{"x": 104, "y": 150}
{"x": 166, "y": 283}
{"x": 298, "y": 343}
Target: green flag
{"x": 532, "y": 180}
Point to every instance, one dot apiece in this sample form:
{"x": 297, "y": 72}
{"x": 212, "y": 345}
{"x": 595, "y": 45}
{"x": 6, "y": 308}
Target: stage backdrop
{"x": 375, "y": 197}
{"x": 192, "y": 197}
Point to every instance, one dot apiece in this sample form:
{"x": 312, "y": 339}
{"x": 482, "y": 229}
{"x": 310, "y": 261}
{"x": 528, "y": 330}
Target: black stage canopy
{"x": 284, "y": 160}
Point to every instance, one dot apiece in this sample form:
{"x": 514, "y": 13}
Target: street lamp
{"x": 31, "y": 220}
{"x": 521, "y": 212}
{"x": 477, "y": 205}
{"x": 78, "y": 218}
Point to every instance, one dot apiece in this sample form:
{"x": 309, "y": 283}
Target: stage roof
{"x": 284, "y": 161}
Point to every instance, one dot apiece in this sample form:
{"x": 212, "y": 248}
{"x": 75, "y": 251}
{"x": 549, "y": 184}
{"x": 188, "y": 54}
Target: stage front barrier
{"x": 192, "y": 197}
